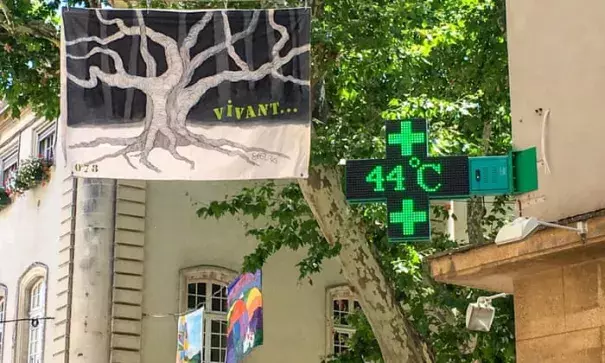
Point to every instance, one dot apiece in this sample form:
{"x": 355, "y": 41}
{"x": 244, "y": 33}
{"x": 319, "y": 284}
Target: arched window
{"x": 29, "y": 346}
{"x": 2, "y": 318}
{"x": 207, "y": 286}
{"x": 36, "y": 327}
{"x": 341, "y": 302}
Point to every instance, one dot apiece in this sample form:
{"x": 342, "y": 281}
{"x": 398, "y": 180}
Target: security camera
{"x": 480, "y": 315}
{"x": 522, "y": 227}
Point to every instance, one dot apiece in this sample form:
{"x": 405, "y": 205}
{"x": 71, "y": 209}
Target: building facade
{"x": 101, "y": 267}
{"x": 557, "y": 276}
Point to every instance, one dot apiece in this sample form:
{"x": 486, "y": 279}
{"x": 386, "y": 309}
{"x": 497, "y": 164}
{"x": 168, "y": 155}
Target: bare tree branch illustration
{"x": 170, "y": 96}
{"x": 229, "y": 43}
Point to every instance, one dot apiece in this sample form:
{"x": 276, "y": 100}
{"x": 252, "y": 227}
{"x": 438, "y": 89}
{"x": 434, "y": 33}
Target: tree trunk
{"x": 475, "y": 210}
{"x": 398, "y": 341}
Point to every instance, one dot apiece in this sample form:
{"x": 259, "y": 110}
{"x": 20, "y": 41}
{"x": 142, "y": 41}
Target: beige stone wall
{"x": 29, "y": 234}
{"x": 295, "y": 322}
{"x": 128, "y": 267}
{"x": 157, "y": 234}
{"x": 560, "y": 315}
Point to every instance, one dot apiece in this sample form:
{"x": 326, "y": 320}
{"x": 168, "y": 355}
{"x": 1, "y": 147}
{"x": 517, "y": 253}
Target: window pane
{"x": 218, "y": 340}
{"x": 216, "y": 327}
{"x": 215, "y": 355}
{"x": 196, "y": 295}
{"x": 340, "y": 340}
{"x": 201, "y": 288}
{"x": 224, "y": 335}
{"x": 7, "y": 172}
{"x": 215, "y": 340}
{"x": 191, "y": 302}
{"x": 216, "y": 304}
{"x": 219, "y": 298}
{"x": 46, "y": 143}
{"x": 340, "y": 311}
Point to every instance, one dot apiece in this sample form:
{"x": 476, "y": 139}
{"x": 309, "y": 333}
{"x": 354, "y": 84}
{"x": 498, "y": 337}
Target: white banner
{"x": 171, "y": 95}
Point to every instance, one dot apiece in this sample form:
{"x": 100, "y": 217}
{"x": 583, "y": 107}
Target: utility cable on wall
{"x": 168, "y": 315}
{"x": 543, "y": 142}
{"x": 34, "y": 321}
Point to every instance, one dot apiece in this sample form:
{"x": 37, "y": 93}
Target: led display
{"x": 407, "y": 180}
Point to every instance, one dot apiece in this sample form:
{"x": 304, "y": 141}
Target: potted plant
{"x": 31, "y": 173}
{"x": 4, "y": 198}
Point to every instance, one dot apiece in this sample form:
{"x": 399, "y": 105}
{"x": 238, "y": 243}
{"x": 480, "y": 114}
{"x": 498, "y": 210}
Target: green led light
{"x": 406, "y": 138}
{"x": 408, "y": 217}
{"x": 375, "y": 177}
{"x": 397, "y": 176}
{"x": 420, "y": 177}
{"x": 414, "y": 162}
{"x": 407, "y": 180}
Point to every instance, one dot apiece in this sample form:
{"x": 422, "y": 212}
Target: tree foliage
{"x": 444, "y": 60}
{"x": 29, "y": 60}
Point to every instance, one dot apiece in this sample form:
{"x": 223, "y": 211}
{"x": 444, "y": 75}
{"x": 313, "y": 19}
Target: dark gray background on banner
{"x": 111, "y": 105}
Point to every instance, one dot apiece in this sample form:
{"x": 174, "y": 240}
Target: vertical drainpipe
{"x": 89, "y": 340}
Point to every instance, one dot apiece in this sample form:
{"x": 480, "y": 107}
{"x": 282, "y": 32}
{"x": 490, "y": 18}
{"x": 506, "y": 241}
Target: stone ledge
{"x": 492, "y": 267}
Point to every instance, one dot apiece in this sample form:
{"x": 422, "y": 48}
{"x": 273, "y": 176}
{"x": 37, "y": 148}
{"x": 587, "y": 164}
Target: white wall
{"x": 29, "y": 232}
{"x": 295, "y": 324}
{"x": 557, "y": 62}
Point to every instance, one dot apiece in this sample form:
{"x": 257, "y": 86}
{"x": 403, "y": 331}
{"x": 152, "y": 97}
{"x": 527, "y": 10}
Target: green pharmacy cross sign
{"x": 408, "y": 179}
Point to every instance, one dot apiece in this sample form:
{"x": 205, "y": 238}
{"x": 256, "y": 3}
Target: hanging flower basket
{"x": 4, "y": 198}
{"x": 31, "y": 173}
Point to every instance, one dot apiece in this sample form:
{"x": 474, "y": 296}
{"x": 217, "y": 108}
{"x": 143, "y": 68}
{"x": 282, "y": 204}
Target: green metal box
{"x": 525, "y": 170}
{"x": 490, "y": 175}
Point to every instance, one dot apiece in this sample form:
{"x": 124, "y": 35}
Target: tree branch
{"x": 292, "y": 79}
{"x": 119, "y": 79}
{"x": 173, "y": 58}
{"x": 192, "y": 94}
{"x": 100, "y": 41}
{"x": 283, "y": 31}
{"x": 201, "y": 57}
{"x": 229, "y": 44}
{"x": 151, "y": 66}
{"x": 194, "y": 33}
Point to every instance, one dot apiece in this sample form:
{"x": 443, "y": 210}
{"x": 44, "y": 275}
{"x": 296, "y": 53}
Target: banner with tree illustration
{"x": 179, "y": 95}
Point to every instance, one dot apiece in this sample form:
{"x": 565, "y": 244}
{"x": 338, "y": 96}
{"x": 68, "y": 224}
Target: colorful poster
{"x": 245, "y": 317}
{"x": 186, "y": 95}
{"x": 190, "y": 337}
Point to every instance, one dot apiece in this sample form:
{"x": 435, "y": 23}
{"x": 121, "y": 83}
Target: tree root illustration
{"x": 169, "y": 140}
{"x": 171, "y": 95}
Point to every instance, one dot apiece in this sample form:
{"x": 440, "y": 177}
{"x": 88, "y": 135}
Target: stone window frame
{"x": 36, "y": 272}
{"x": 334, "y": 293}
{"x": 43, "y": 132}
{"x": 210, "y": 275}
{"x": 9, "y": 157}
{"x": 4, "y": 301}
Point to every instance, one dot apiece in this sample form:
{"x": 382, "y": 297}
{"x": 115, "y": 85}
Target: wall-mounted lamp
{"x": 480, "y": 315}
{"x": 522, "y": 227}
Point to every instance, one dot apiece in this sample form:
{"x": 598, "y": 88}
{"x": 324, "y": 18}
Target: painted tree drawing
{"x": 205, "y": 95}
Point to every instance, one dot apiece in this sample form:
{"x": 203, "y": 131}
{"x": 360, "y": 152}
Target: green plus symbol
{"x": 408, "y": 217}
{"x": 406, "y": 138}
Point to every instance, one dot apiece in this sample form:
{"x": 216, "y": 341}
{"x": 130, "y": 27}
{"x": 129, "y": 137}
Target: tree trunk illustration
{"x": 171, "y": 95}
